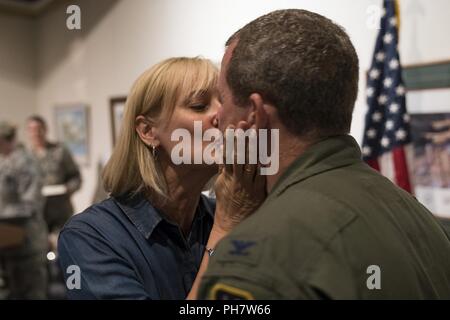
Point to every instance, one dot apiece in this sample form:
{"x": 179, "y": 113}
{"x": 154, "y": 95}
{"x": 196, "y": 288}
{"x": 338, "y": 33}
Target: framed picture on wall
{"x": 430, "y": 134}
{"x": 428, "y": 103}
{"x": 72, "y": 129}
{"x": 117, "y": 108}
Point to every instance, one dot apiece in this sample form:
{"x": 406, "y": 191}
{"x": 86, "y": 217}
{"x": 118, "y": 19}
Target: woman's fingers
{"x": 228, "y": 147}
{"x": 240, "y": 149}
{"x": 240, "y": 188}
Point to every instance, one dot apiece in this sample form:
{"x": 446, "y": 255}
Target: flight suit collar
{"x": 332, "y": 153}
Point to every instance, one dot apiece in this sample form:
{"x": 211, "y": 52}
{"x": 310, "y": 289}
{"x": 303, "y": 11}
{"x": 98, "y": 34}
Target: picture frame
{"x": 430, "y": 167}
{"x": 427, "y": 76}
{"x": 72, "y": 129}
{"x": 427, "y": 100}
{"x": 117, "y": 109}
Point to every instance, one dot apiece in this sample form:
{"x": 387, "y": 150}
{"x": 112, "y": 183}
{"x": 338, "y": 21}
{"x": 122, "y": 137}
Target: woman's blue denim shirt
{"x": 124, "y": 248}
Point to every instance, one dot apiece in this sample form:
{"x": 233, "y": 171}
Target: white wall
{"x": 17, "y": 69}
{"x": 120, "y": 39}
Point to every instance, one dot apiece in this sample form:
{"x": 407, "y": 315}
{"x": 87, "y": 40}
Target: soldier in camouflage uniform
{"x": 21, "y": 205}
{"x": 58, "y": 168}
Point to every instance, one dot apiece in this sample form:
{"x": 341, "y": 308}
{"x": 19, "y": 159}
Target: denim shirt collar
{"x": 145, "y": 217}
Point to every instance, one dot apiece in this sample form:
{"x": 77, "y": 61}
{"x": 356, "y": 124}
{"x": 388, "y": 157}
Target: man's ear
{"x": 258, "y": 116}
{"x": 146, "y": 131}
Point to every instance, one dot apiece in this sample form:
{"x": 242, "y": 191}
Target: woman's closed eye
{"x": 199, "y": 107}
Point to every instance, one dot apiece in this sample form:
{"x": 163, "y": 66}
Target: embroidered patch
{"x": 240, "y": 248}
{"x": 221, "y": 291}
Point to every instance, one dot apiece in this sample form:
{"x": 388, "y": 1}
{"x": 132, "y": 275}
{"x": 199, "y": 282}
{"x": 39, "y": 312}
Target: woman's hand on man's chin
{"x": 239, "y": 188}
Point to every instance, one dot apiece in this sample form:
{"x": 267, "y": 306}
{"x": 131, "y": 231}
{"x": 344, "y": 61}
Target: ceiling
{"x": 24, "y": 7}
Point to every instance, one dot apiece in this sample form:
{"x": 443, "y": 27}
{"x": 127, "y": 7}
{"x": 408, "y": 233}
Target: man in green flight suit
{"x": 331, "y": 227}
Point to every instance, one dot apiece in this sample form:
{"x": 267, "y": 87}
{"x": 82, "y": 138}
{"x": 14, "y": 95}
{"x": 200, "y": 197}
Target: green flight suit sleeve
{"x": 241, "y": 286}
{"x": 239, "y": 271}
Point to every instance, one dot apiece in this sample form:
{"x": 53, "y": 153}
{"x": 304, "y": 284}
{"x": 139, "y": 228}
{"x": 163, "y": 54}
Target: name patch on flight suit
{"x": 222, "y": 291}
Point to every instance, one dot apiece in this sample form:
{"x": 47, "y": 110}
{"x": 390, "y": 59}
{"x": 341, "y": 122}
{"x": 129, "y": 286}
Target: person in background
{"x": 21, "y": 205}
{"x": 61, "y": 176}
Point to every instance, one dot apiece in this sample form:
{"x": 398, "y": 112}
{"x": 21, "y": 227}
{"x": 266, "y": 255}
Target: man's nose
{"x": 215, "y": 119}
{"x": 214, "y": 114}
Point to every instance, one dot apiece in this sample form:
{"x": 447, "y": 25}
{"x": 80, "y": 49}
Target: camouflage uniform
{"x": 21, "y": 205}
{"x": 58, "y": 168}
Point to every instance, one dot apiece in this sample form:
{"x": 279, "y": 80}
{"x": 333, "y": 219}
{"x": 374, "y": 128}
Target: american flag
{"x": 387, "y": 130}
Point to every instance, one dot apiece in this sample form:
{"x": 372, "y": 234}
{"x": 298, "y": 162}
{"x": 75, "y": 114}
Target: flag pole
{"x": 397, "y": 15}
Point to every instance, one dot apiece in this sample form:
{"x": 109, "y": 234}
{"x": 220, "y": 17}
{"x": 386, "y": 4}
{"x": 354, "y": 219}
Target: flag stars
{"x": 380, "y": 56}
{"x": 394, "y": 64}
{"x": 394, "y": 107}
{"x": 401, "y": 134}
{"x": 367, "y": 151}
{"x": 382, "y": 99}
{"x": 374, "y": 74}
{"x": 387, "y": 39}
{"x": 388, "y": 82}
{"x": 377, "y": 116}
{"x": 371, "y": 133}
{"x": 400, "y": 90}
{"x": 393, "y": 21}
{"x": 389, "y": 125}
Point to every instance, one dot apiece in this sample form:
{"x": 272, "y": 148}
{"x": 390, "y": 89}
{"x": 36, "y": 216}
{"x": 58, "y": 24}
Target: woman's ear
{"x": 146, "y": 131}
{"x": 258, "y": 116}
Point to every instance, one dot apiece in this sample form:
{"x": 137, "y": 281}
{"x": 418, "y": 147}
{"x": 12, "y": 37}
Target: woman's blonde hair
{"x": 155, "y": 94}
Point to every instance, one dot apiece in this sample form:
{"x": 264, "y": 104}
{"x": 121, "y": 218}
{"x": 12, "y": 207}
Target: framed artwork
{"x": 430, "y": 167}
{"x": 117, "y": 108}
{"x": 425, "y": 76}
{"x": 428, "y": 103}
{"x": 72, "y": 129}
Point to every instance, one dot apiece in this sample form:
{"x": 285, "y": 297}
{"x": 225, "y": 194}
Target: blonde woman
{"x": 152, "y": 238}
